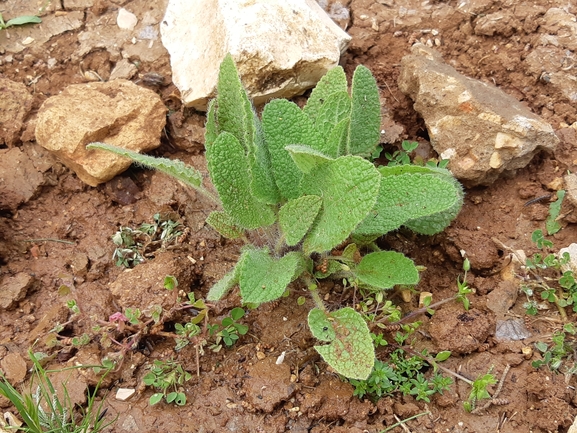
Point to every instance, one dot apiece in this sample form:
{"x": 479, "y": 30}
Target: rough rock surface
{"x": 118, "y": 112}
{"x": 140, "y": 288}
{"x": 482, "y": 130}
{"x": 19, "y": 178}
{"x": 281, "y": 47}
{"x": 15, "y": 104}
{"x": 13, "y": 289}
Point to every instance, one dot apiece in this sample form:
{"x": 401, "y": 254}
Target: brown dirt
{"x": 242, "y": 389}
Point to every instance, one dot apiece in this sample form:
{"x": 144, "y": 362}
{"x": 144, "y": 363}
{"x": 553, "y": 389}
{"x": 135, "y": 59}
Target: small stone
{"x": 117, "y": 112}
{"x": 406, "y": 295}
{"x": 260, "y": 355}
{"x": 14, "y": 290}
{"x": 124, "y": 69}
{"x": 423, "y": 296}
{"x": 124, "y": 394}
{"x": 28, "y": 41}
{"x": 14, "y": 367}
{"x": 126, "y": 20}
{"x": 527, "y": 352}
{"x": 556, "y": 184}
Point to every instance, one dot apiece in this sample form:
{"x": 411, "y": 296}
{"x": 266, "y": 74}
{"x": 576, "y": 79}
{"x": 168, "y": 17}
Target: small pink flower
{"x": 118, "y": 317}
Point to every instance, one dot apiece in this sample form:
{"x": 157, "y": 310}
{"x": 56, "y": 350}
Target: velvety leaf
{"x": 230, "y": 279}
{"x": 284, "y": 124}
{"x": 224, "y": 224}
{"x": 306, "y": 158}
{"x": 335, "y": 110}
{"x": 228, "y": 167}
{"x": 407, "y": 195}
{"x": 211, "y": 128}
{"x": 297, "y": 216}
{"x": 385, "y": 269}
{"x": 333, "y": 81}
{"x": 349, "y": 186}
{"x": 351, "y": 351}
{"x": 262, "y": 181}
{"x": 264, "y": 278}
{"x": 365, "y": 126}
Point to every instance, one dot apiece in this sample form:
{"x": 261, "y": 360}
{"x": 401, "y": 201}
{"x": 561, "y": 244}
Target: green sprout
{"x": 19, "y": 21}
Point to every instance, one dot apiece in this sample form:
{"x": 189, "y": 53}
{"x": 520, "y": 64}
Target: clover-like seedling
{"x": 304, "y": 181}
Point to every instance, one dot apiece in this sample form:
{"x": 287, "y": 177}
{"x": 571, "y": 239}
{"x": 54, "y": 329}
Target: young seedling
{"x": 551, "y": 224}
{"x": 167, "y": 377}
{"x": 297, "y": 184}
{"x": 19, "y": 21}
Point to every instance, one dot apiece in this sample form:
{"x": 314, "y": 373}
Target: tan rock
{"x": 480, "y": 129}
{"x": 281, "y": 47}
{"x": 118, "y": 113}
{"x": 15, "y": 104}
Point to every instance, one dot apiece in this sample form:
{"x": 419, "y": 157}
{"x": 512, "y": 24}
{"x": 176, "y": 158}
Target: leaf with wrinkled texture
{"x": 228, "y": 167}
{"x": 296, "y": 217}
{"x": 385, "y": 269}
{"x": 351, "y": 351}
{"x": 349, "y": 186}
{"x": 224, "y": 224}
{"x": 333, "y": 81}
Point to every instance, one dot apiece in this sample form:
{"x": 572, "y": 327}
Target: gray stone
{"x": 13, "y": 289}
{"x": 15, "y": 104}
{"x": 281, "y": 47}
{"x": 561, "y": 28}
{"x": 118, "y": 112}
{"x": 552, "y": 66}
{"x": 480, "y": 129}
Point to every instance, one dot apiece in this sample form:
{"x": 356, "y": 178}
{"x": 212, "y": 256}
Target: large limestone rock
{"x": 118, "y": 112}
{"x": 281, "y": 47}
{"x": 482, "y": 130}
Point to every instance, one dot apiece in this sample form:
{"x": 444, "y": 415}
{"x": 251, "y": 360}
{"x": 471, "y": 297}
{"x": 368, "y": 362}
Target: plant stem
{"x": 404, "y": 421}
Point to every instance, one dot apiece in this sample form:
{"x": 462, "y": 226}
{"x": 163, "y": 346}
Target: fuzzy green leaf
{"x": 385, "y": 269}
{"x": 230, "y": 279}
{"x": 351, "y": 351}
{"x": 224, "y": 224}
{"x": 339, "y": 136}
{"x": 306, "y": 158}
{"x": 234, "y": 111}
{"x": 262, "y": 184}
{"x": 174, "y": 168}
{"x": 284, "y": 124}
{"x": 335, "y": 110}
{"x": 349, "y": 186}
{"x": 551, "y": 224}
{"x": 364, "y": 129}
{"x": 211, "y": 129}
{"x": 228, "y": 167}
{"x": 333, "y": 81}
{"x": 23, "y": 19}
{"x": 264, "y": 278}
{"x": 406, "y": 195}
{"x": 296, "y": 217}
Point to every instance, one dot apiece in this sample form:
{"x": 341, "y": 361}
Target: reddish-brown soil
{"x": 242, "y": 389}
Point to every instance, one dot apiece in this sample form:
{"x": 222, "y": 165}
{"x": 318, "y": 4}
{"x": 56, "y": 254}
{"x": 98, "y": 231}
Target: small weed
{"x": 559, "y": 355}
{"x": 134, "y": 245}
{"x": 551, "y": 224}
{"x": 479, "y": 390}
{"x": 228, "y": 331}
{"x": 43, "y": 410}
{"x": 167, "y": 377}
{"x": 19, "y": 21}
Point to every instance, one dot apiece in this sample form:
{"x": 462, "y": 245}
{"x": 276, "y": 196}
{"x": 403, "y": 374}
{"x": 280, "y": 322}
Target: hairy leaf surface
{"x": 333, "y": 81}
{"x": 335, "y": 110}
{"x": 228, "y": 167}
{"x": 264, "y": 278}
{"x": 307, "y": 158}
{"x": 349, "y": 186}
{"x": 297, "y": 216}
{"x": 224, "y": 224}
{"x": 351, "y": 351}
{"x": 385, "y": 269}
{"x": 365, "y": 126}
{"x": 230, "y": 279}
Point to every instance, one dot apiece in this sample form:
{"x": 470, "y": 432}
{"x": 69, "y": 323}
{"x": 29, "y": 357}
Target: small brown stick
{"x": 48, "y": 240}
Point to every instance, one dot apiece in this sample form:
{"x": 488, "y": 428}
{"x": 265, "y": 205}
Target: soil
{"x": 242, "y": 388}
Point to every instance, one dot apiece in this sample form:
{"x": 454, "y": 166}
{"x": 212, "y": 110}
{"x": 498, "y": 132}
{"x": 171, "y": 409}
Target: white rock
{"x": 124, "y": 393}
{"x": 126, "y": 20}
{"x": 281, "y": 47}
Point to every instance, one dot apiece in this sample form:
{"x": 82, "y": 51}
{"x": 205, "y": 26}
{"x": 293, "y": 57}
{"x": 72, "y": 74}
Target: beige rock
{"x": 13, "y": 289}
{"x": 118, "y": 112}
{"x": 14, "y": 367}
{"x": 281, "y": 47}
{"x": 15, "y": 104}
{"x": 482, "y": 130}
